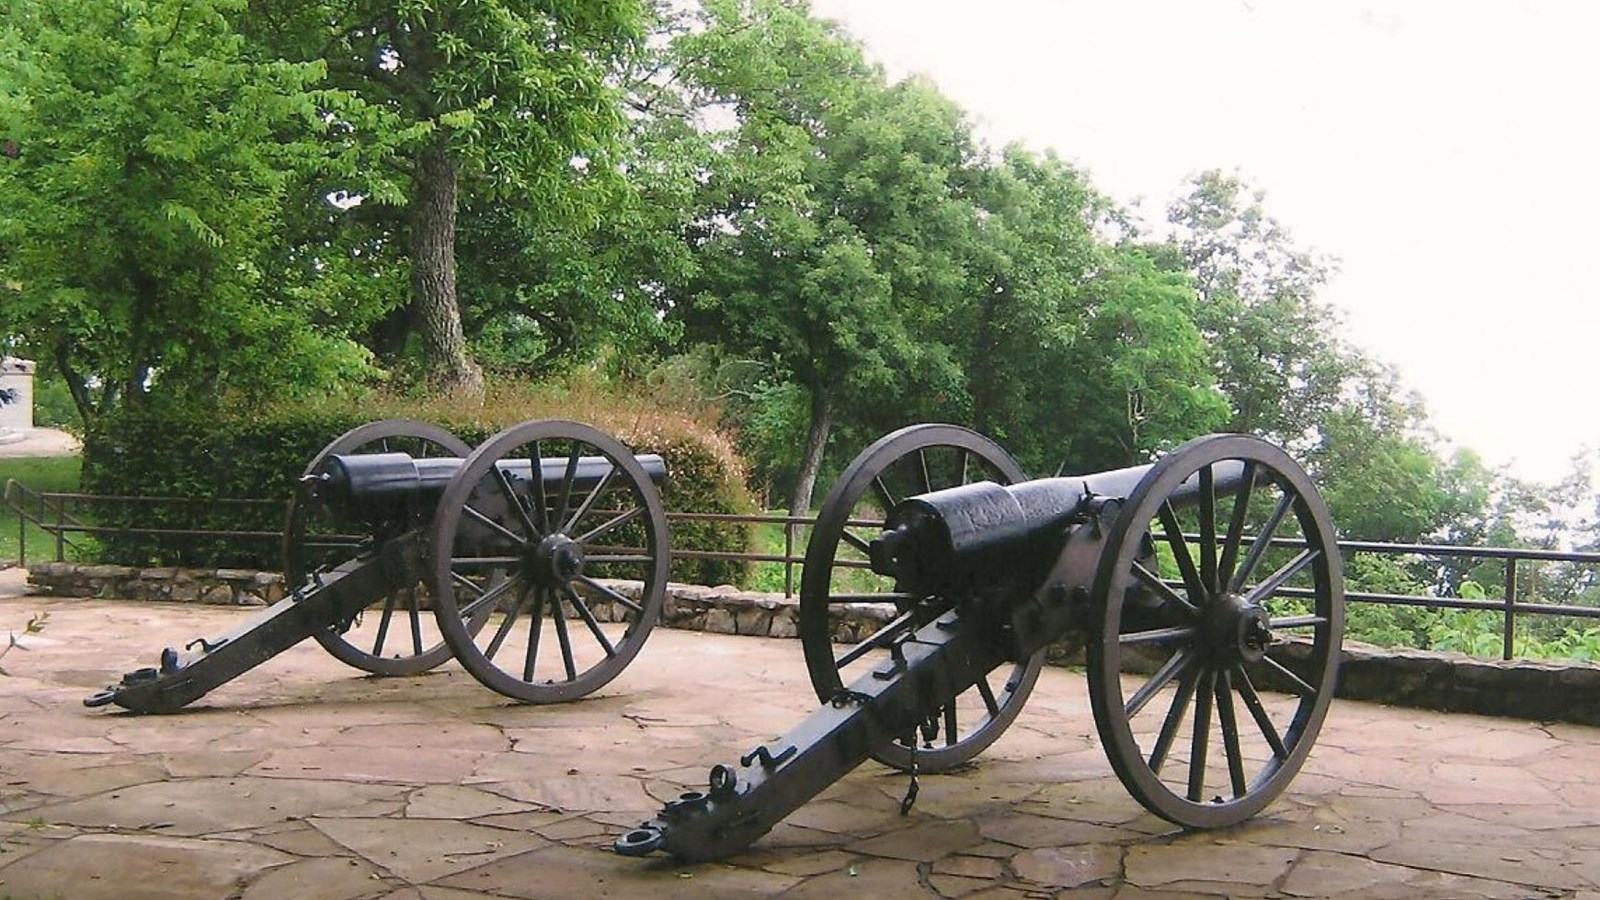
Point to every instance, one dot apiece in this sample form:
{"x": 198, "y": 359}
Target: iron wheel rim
{"x": 817, "y": 595}
{"x": 425, "y": 654}
{"x": 521, "y": 595}
{"x": 1208, "y": 666}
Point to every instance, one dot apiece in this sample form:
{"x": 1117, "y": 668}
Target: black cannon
{"x": 1205, "y": 591}
{"x": 547, "y": 520}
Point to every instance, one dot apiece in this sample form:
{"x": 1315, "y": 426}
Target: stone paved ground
{"x": 302, "y": 780}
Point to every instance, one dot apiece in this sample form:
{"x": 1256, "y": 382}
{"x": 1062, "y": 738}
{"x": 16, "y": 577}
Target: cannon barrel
{"x": 380, "y": 476}
{"x": 961, "y": 530}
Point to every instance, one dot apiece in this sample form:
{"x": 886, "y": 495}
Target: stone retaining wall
{"x": 216, "y": 587}
{"x": 1454, "y": 682}
{"x": 1451, "y": 682}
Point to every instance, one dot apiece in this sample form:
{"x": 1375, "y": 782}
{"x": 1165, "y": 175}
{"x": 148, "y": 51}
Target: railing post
{"x": 22, "y": 533}
{"x": 61, "y": 533}
{"x": 1510, "y": 610}
{"x": 788, "y": 558}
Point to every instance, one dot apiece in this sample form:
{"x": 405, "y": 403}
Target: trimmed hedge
{"x": 205, "y": 457}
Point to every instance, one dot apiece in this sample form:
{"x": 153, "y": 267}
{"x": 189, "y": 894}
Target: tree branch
{"x": 76, "y": 384}
{"x": 177, "y": 23}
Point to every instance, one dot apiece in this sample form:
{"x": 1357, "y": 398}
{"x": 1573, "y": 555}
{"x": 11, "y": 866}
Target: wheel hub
{"x": 556, "y": 560}
{"x": 1236, "y": 629}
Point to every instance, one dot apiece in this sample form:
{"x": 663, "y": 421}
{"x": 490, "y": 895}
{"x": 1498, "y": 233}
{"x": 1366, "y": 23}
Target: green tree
{"x": 1033, "y": 251}
{"x": 154, "y": 153}
{"x": 1381, "y": 623}
{"x": 1077, "y": 354}
{"x": 1140, "y": 375}
{"x": 462, "y": 103}
{"x": 1569, "y": 518}
{"x": 1290, "y": 376}
{"x": 546, "y": 289}
{"x": 1381, "y": 485}
{"x": 825, "y": 237}
{"x": 1277, "y": 354}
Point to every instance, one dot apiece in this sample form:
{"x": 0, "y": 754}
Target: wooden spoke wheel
{"x": 574, "y": 527}
{"x": 1218, "y": 624}
{"x": 914, "y": 460}
{"x": 395, "y": 634}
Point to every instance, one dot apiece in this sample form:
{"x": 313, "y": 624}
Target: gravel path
{"x": 37, "y": 442}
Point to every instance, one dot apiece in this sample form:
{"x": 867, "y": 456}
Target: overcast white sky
{"x": 1445, "y": 151}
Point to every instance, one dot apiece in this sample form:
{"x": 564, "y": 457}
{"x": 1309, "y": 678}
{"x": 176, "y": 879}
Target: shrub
{"x": 210, "y": 458}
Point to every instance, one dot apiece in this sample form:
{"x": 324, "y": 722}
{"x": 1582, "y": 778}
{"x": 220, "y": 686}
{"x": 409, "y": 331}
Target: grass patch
{"x": 39, "y": 474}
{"x": 768, "y": 576}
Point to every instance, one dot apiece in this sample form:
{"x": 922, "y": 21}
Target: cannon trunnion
{"x": 1205, "y": 591}
{"x": 406, "y": 548}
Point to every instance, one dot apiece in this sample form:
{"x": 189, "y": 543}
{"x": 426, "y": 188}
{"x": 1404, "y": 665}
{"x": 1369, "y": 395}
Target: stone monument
{"x": 16, "y": 390}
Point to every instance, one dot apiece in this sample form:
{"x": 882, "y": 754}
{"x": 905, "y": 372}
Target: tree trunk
{"x": 983, "y": 371}
{"x": 433, "y": 276}
{"x": 77, "y": 385}
{"x": 816, "y": 442}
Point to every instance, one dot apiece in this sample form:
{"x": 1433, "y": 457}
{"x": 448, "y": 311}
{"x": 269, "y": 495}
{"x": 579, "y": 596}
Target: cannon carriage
{"x": 1204, "y": 591}
{"x": 406, "y": 548}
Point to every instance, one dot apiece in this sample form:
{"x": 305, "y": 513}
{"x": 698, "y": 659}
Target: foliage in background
{"x": 155, "y": 150}
{"x": 205, "y": 457}
{"x": 824, "y": 230}
{"x": 1138, "y": 380}
{"x": 1276, "y": 349}
{"x": 499, "y": 107}
{"x": 882, "y": 267}
{"x": 1386, "y": 626}
{"x": 724, "y": 206}
{"x": 52, "y": 402}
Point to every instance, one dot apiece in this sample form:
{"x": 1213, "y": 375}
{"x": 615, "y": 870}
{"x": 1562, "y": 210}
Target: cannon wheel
{"x": 567, "y": 549}
{"x": 913, "y": 460}
{"x": 1215, "y": 632}
{"x": 407, "y": 644}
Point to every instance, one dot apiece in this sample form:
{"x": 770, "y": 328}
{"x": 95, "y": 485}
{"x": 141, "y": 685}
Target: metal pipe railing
{"x": 51, "y": 512}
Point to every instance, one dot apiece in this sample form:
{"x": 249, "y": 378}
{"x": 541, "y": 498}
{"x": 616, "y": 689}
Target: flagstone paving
{"x": 303, "y": 779}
